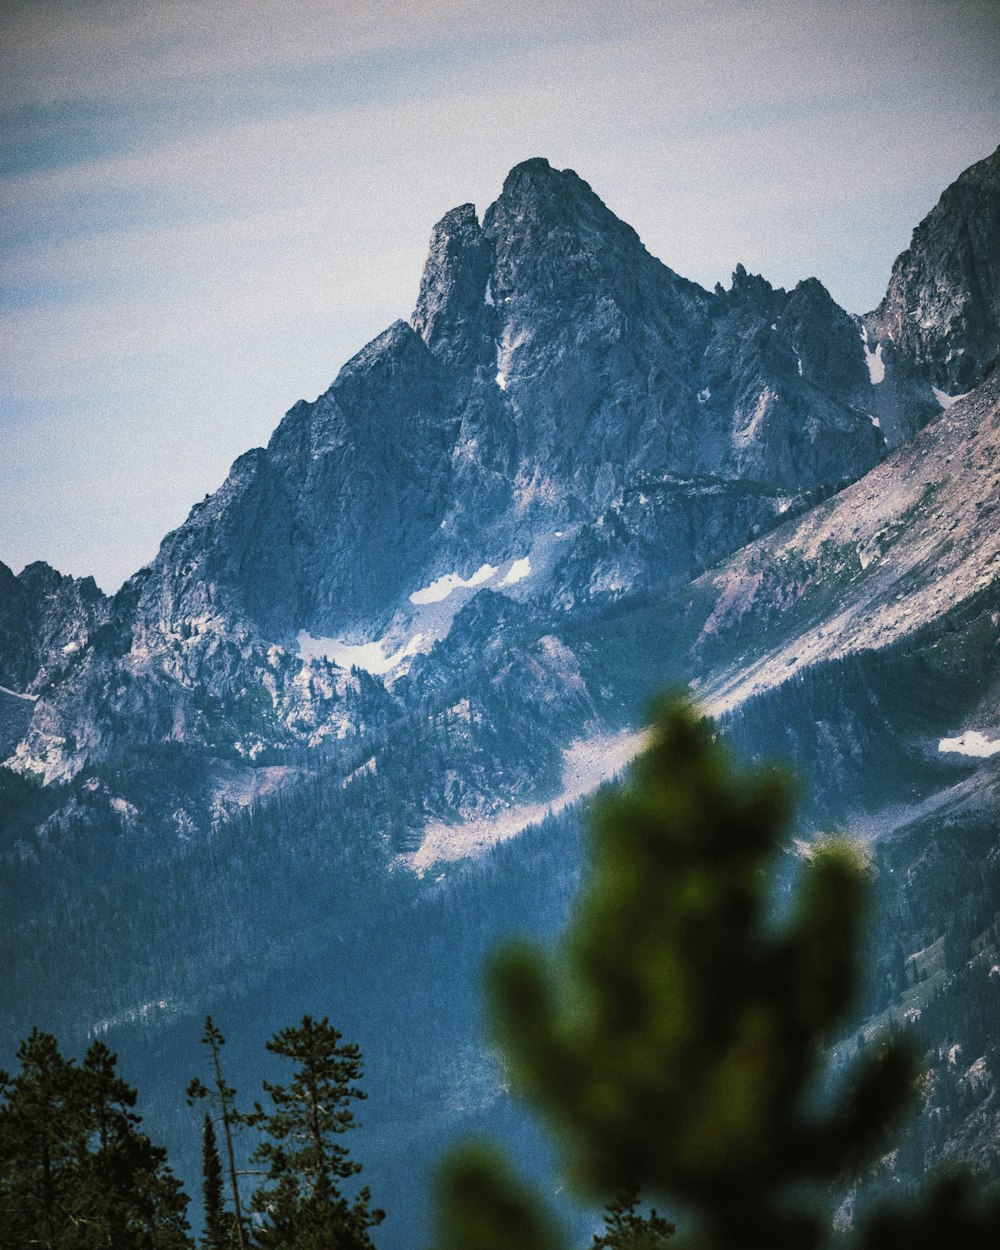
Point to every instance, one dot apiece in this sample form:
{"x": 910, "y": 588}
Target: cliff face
{"x": 550, "y": 364}
{"x": 941, "y": 311}
{"x": 45, "y": 619}
{"x": 937, "y": 332}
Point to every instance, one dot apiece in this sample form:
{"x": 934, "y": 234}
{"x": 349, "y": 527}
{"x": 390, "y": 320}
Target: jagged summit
{"x": 449, "y": 315}
{"x": 553, "y": 373}
{"x": 536, "y": 180}
{"x": 46, "y": 617}
{"x": 939, "y": 323}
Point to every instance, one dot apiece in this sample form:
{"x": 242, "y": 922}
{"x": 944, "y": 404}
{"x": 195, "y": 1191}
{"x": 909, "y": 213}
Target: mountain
{"x": 551, "y": 364}
{"x": 937, "y": 330}
{"x": 45, "y": 619}
{"x": 285, "y": 765}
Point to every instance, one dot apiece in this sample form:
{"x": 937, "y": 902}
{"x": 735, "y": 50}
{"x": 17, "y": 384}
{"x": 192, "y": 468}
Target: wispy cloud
{"x": 215, "y": 204}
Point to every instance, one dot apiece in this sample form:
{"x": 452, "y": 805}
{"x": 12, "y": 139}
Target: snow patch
{"x": 704, "y": 396}
{"x": 944, "y": 400}
{"x": 970, "y": 743}
{"x": 29, "y": 698}
{"x": 517, "y": 572}
{"x": 442, "y": 587}
{"x": 369, "y": 656}
{"x": 874, "y": 361}
{"x": 488, "y": 298}
{"x": 507, "y": 345}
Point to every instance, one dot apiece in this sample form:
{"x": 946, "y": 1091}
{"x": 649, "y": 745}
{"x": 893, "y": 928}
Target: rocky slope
{"x": 910, "y": 542}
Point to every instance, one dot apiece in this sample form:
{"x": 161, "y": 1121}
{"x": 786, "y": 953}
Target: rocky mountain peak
{"x": 556, "y": 384}
{"x": 454, "y": 287}
{"x": 753, "y": 291}
{"x": 553, "y": 237}
{"x": 825, "y": 340}
{"x": 46, "y": 618}
{"x": 536, "y": 185}
{"x": 941, "y": 312}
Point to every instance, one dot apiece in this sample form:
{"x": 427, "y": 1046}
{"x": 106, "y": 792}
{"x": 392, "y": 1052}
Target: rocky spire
{"x": 942, "y": 307}
{"x": 454, "y": 290}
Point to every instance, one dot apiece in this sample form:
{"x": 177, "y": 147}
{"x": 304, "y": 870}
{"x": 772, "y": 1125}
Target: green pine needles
{"x": 301, "y": 1201}
{"x": 675, "y": 1039}
{"x": 76, "y": 1171}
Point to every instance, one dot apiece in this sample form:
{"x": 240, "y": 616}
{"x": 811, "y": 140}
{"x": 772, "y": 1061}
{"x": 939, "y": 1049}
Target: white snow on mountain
{"x": 874, "y": 361}
{"x": 369, "y": 656}
{"x": 970, "y": 743}
{"x": 517, "y": 572}
{"x": 442, "y": 587}
{"x": 945, "y": 400}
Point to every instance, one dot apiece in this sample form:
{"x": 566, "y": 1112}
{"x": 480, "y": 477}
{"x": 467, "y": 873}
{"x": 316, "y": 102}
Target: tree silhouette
{"x": 223, "y": 1097}
{"x": 302, "y": 1201}
{"x": 626, "y": 1228}
{"x": 217, "y": 1227}
{"x": 76, "y": 1171}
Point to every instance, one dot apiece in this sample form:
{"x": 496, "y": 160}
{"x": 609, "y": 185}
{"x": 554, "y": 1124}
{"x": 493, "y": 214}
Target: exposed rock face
{"x": 595, "y": 341}
{"x": 324, "y": 527}
{"x": 601, "y": 360}
{"x": 555, "y": 379}
{"x": 452, "y": 312}
{"x": 937, "y": 332}
{"x": 46, "y": 618}
{"x": 893, "y": 553}
{"x": 941, "y": 311}
{"x": 784, "y": 389}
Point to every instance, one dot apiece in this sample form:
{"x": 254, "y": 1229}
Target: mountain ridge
{"x": 489, "y": 423}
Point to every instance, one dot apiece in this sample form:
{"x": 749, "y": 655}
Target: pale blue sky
{"x": 205, "y": 209}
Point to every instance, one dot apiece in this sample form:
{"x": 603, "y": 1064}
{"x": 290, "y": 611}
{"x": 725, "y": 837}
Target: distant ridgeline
{"x": 302, "y": 761}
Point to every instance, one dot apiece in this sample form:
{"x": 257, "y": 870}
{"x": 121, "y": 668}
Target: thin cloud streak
{"x": 210, "y": 207}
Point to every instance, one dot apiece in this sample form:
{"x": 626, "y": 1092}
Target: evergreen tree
{"x": 675, "y": 1039}
{"x": 76, "y": 1172}
{"x": 625, "y": 1228}
{"x": 303, "y": 1205}
{"x": 218, "y": 1227}
{"x": 40, "y": 1132}
{"x": 223, "y": 1098}
{"x": 125, "y": 1197}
